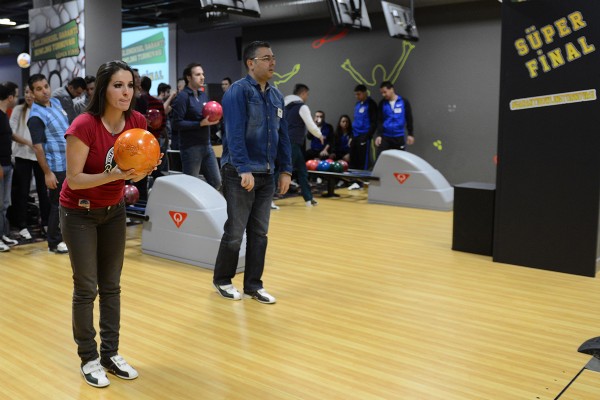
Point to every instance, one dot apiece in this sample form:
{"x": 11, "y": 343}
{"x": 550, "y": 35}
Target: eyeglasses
{"x": 265, "y": 58}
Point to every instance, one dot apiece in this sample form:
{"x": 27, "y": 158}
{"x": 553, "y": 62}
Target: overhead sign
{"x": 58, "y": 43}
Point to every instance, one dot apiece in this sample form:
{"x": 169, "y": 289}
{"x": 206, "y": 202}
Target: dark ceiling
{"x": 187, "y": 14}
{"x": 135, "y": 13}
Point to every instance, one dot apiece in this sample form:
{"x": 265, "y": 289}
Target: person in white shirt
{"x": 25, "y": 165}
{"x": 300, "y": 121}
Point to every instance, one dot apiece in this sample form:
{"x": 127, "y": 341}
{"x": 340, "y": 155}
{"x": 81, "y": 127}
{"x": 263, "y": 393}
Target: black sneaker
{"x": 118, "y": 366}
{"x": 260, "y": 295}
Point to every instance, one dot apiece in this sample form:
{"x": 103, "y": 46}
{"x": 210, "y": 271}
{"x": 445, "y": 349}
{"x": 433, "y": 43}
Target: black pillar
{"x": 548, "y": 178}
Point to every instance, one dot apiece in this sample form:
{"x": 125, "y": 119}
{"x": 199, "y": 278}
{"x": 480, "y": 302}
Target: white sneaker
{"x": 354, "y": 186}
{"x": 94, "y": 374}
{"x": 3, "y": 247}
{"x": 25, "y": 234}
{"x": 118, "y": 366}
{"x": 9, "y": 241}
{"x": 228, "y": 291}
{"x": 61, "y": 248}
{"x": 274, "y": 206}
{"x": 309, "y": 204}
{"x": 261, "y": 296}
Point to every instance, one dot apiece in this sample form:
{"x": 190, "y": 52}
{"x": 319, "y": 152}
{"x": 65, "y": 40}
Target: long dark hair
{"x": 338, "y": 130}
{"x": 105, "y": 72}
{"x": 25, "y": 105}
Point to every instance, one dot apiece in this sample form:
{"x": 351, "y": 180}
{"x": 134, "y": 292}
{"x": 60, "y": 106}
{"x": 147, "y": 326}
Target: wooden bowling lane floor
{"x": 371, "y": 304}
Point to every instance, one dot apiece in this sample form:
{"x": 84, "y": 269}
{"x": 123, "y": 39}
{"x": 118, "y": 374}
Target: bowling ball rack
{"x": 137, "y": 211}
{"x": 352, "y": 175}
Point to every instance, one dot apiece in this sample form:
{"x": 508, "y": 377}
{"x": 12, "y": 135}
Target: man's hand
{"x": 247, "y": 181}
{"x": 410, "y": 139}
{"x": 284, "y": 183}
{"x": 206, "y": 122}
{"x": 51, "y": 181}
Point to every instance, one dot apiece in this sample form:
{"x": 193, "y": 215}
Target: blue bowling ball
{"x": 323, "y": 166}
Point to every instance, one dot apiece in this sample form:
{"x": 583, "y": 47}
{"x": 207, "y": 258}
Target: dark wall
{"x": 216, "y": 50}
{"x": 451, "y": 76}
{"x": 10, "y": 71}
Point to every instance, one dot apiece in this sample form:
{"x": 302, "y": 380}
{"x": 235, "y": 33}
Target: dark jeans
{"x": 201, "y": 159}
{"x": 390, "y": 143}
{"x": 249, "y": 211}
{"x": 174, "y": 144}
{"x": 54, "y": 235}
{"x": 5, "y": 187}
{"x": 21, "y": 186}
{"x": 96, "y": 241}
{"x": 299, "y": 165}
{"x": 359, "y": 152}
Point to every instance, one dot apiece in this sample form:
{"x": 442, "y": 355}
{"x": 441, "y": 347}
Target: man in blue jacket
{"x": 396, "y": 120}
{"x": 256, "y": 137}
{"x": 363, "y": 128}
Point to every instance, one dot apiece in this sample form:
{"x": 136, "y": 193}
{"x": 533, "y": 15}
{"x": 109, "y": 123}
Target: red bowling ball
{"x": 311, "y": 165}
{"x": 155, "y": 118}
{"x": 131, "y": 194}
{"x": 344, "y": 164}
{"x": 213, "y": 111}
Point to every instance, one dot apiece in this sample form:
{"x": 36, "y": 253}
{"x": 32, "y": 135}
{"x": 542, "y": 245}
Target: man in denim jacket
{"x": 256, "y": 138}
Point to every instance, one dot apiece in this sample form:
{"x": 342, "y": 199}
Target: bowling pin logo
{"x": 178, "y": 217}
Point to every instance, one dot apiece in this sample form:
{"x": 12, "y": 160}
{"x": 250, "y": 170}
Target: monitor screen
{"x": 147, "y": 49}
{"x": 400, "y": 21}
{"x": 350, "y": 14}
{"x": 243, "y": 7}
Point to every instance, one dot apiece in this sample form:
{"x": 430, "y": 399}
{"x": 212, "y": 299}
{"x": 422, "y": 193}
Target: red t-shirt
{"x": 90, "y": 130}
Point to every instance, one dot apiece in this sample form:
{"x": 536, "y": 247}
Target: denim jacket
{"x": 257, "y": 133}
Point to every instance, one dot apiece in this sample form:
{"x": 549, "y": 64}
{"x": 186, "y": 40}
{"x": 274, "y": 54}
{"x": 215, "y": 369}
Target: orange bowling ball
{"x": 137, "y": 149}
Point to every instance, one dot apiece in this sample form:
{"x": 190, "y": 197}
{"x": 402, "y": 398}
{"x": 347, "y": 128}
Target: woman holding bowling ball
{"x": 92, "y": 218}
